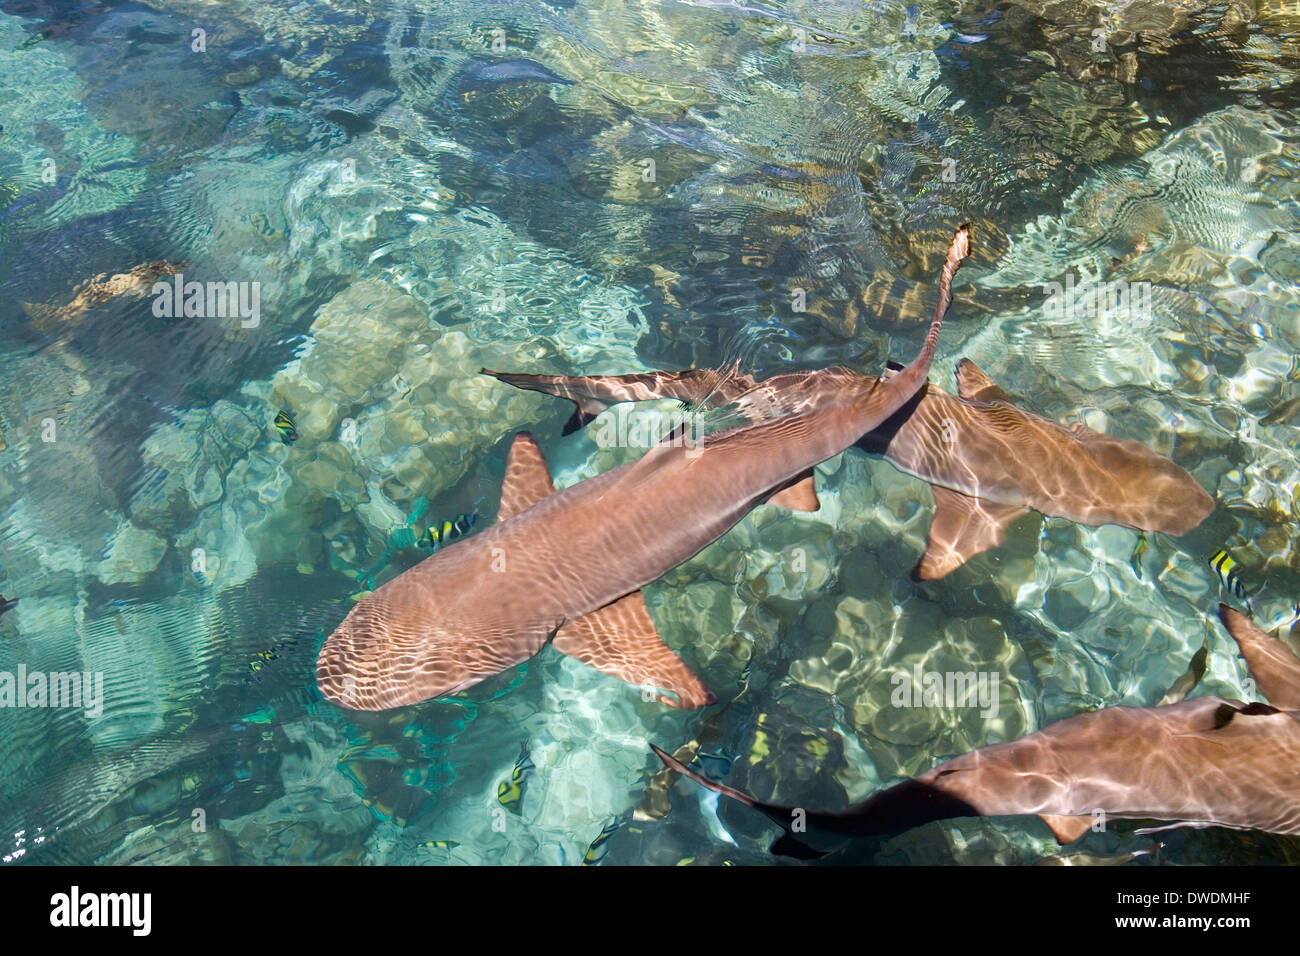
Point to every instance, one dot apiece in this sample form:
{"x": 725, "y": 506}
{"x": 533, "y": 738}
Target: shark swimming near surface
{"x": 566, "y": 567}
{"x": 988, "y": 462}
{"x": 1201, "y": 762}
{"x": 92, "y": 293}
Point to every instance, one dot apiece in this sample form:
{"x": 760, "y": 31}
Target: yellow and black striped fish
{"x": 440, "y": 844}
{"x": 1139, "y": 549}
{"x": 596, "y": 852}
{"x": 510, "y": 793}
{"x": 284, "y": 425}
{"x": 1229, "y": 572}
{"x": 438, "y": 536}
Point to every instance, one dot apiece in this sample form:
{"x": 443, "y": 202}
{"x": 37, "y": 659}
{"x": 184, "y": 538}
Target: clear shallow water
{"x": 415, "y": 204}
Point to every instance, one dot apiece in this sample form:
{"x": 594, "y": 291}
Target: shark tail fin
{"x": 786, "y": 845}
{"x": 958, "y": 250}
{"x": 904, "y": 384}
{"x": 587, "y": 407}
{"x": 42, "y": 314}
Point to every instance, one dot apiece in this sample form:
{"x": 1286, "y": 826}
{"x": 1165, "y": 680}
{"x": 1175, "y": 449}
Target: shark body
{"x": 988, "y": 461}
{"x": 1207, "y": 761}
{"x": 568, "y": 566}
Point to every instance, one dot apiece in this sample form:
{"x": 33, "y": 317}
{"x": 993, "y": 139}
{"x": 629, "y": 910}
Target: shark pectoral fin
{"x": 1270, "y": 661}
{"x": 973, "y": 383}
{"x": 962, "y": 528}
{"x": 527, "y": 480}
{"x": 799, "y": 495}
{"x": 1066, "y": 829}
{"x": 620, "y": 639}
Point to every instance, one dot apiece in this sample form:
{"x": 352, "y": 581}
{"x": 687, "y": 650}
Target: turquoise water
{"x": 421, "y": 189}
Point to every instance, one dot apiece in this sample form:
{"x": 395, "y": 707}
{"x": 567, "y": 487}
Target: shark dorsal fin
{"x": 527, "y": 480}
{"x": 1269, "y": 660}
{"x": 799, "y": 495}
{"x": 1066, "y": 829}
{"x": 962, "y": 527}
{"x": 974, "y": 384}
{"x": 620, "y": 639}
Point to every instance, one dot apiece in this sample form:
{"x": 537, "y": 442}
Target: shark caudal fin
{"x": 908, "y": 804}
{"x": 1270, "y": 661}
{"x": 913, "y": 375}
{"x": 786, "y": 845}
{"x": 592, "y": 394}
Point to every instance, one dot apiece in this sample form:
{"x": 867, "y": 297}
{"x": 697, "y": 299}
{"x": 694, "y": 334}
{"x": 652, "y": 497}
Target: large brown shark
{"x": 987, "y": 461}
{"x": 567, "y": 566}
{"x": 94, "y": 292}
{"x": 1207, "y": 761}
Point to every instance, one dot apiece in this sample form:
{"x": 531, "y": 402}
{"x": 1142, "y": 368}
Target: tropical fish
{"x": 599, "y": 846}
{"x": 438, "y": 536}
{"x": 92, "y": 293}
{"x": 1139, "y": 549}
{"x": 743, "y": 681}
{"x": 1194, "y": 675}
{"x": 284, "y": 425}
{"x": 988, "y": 462}
{"x": 566, "y": 567}
{"x": 510, "y": 793}
{"x": 439, "y": 844}
{"x": 7, "y": 604}
{"x": 1229, "y": 572}
{"x": 1202, "y": 762}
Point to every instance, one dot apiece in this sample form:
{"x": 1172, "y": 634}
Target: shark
{"x": 94, "y": 292}
{"x": 567, "y": 567}
{"x": 1208, "y": 761}
{"x": 988, "y": 462}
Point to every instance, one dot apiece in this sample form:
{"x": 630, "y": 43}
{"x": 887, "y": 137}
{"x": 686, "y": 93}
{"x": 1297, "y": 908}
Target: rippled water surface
{"x": 416, "y": 190}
